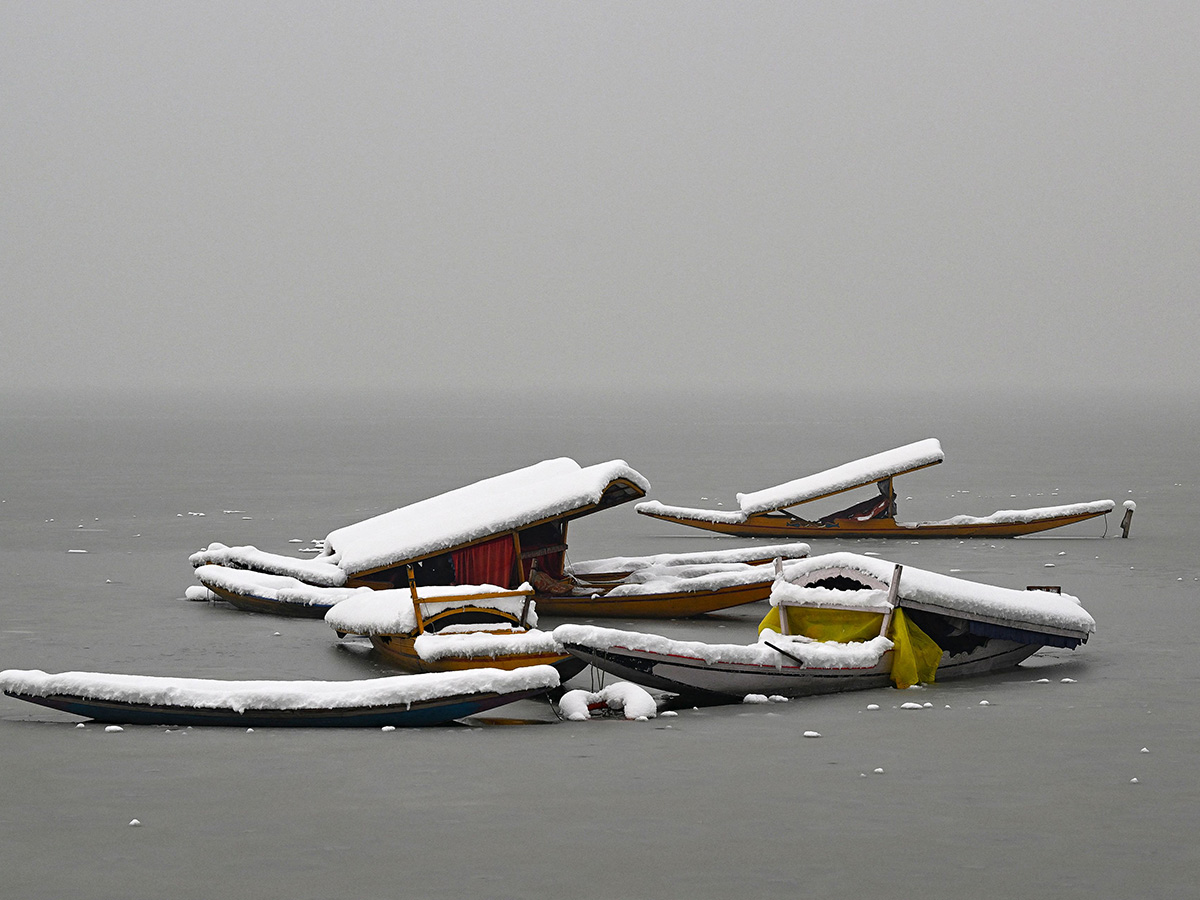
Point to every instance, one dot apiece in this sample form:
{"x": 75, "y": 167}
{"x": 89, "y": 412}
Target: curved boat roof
{"x": 860, "y": 472}
{"x": 1031, "y": 609}
{"x": 552, "y": 490}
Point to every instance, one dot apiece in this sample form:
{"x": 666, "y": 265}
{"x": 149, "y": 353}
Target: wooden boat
{"x": 398, "y": 701}
{"x": 766, "y": 513}
{"x": 843, "y": 622}
{"x": 450, "y": 628}
{"x": 504, "y": 531}
{"x": 262, "y": 592}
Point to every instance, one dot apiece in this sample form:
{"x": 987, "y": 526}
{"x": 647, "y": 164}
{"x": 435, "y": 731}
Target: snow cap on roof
{"x": 490, "y": 507}
{"x": 844, "y": 477}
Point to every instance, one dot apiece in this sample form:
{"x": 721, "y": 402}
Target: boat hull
{"x": 399, "y": 650}
{"x": 782, "y": 527}
{"x": 438, "y": 711}
{"x": 672, "y": 605}
{"x": 724, "y": 681}
{"x": 250, "y": 603}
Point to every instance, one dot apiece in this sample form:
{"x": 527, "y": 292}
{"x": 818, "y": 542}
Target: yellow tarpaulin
{"x": 915, "y": 656}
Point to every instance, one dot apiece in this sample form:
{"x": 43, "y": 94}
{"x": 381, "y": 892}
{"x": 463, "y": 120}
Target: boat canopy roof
{"x": 845, "y": 477}
{"x": 1029, "y": 609}
{"x": 553, "y": 490}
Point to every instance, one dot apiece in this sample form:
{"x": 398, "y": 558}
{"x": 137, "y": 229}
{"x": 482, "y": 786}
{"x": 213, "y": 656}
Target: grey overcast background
{"x": 622, "y": 196}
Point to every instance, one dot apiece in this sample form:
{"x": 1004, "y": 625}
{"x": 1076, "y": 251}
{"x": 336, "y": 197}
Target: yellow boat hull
{"x": 675, "y": 605}
{"x": 777, "y": 526}
{"x": 399, "y": 650}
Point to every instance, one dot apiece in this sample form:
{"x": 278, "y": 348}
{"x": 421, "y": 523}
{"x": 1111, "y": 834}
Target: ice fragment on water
{"x": 812, "y": 734}
{"x": 113, "y": 728}
{"x": 984, "y": 703}
{"x": 911, "y": 705}
{"x": 136, "y": 823}
{"x": 872, "y": 706}
{"x": 755, "y": 698}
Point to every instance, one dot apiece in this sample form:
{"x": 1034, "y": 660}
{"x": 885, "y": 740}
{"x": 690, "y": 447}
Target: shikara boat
{"x": 450, "y": 628}
{"x": 399, "y": 701}
{"x": 842, "y": 622}
{"x": 767, "y": 513}
{"x": 506, "y": 531}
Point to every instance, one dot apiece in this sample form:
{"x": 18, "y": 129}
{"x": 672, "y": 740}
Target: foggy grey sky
{"x": 630, "y": 196}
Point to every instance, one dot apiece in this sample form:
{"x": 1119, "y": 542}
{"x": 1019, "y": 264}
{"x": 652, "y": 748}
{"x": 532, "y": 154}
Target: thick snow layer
{"x": 700, "y": 557}
{"x": 723, "y": 517}
{"x": 391, "y": 612}
{"x": 481, "y": 644}
{"x": 818, "y": 654}
{"x": 1007, "y": 516}
{"x": 279, "y": 588}
{"x": 204, "y": 693}
{"x": 631, "y": 699}
{"x": 818, "y": 597}
{"x": 844, "y": 477}
{"x": 488, "y": 507}
{"x": 315, "y": 572}
{"x": 1035, "y": 610}
{"x": 690, "y": 579}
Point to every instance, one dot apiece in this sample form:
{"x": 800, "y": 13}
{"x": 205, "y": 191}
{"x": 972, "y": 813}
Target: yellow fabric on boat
{"x": 915, "y": 656}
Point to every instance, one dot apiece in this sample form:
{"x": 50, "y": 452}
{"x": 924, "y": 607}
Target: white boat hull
{"x": 693, "y": 676}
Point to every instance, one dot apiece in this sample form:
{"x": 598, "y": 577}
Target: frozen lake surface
{"x": 1071, "y": 776}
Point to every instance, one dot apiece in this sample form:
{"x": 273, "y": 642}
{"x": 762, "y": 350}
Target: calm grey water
{"x": 1031, "y": 794}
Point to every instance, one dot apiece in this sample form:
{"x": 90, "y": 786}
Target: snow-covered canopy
{"x": 205, "y": 693}
{"x": 868, "y": 470}
{"x": 371, "y": 612}
{"x": 849, "y": 475}
{"x": 550, "y": 490}
{"x": 1035, "y": 610}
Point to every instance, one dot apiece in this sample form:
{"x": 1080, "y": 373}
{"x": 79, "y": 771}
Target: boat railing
{"x": 887, "y": 609}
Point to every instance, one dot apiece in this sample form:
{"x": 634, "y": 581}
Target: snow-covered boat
{"x": 399, "y": 701}
{"x": 842, "y": 622}
{"x": 766, "y": 513}
{"x": 504, "y": 531}
{"x": 448, "y": 628}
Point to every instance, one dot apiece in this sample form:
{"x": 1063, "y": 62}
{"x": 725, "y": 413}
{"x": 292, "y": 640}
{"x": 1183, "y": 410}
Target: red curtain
{"x": 487, "y": 563}
{"x": 551, "y": 563}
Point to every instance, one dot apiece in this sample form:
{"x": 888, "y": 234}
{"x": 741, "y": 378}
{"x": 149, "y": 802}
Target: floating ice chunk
{"x": 1144, "y": 750}
{"x": 879, "y": 771}
{"x": 872, "y": 706}
{"x": 1068, "y": 681}
{"x": 388, "y": 728}
{"x": 756, "y": 698}
{"x": 135, "y": 823}
{"x": 1133, "y": 781}
{"x": 928, "y": 705}
{"x": 812, "y": 734}
{"x": 113, "y": 728}
{"x": 249, "y": 731}
{"x": 1042, "y": 681}
{"x": 778, "y": 698}
{"x": 984, "y": 703}
{"x": 669, "y": 712}
{"x": 911, "y": 705}
{"x": 1048, "y": 566}
{"x": 77, "y": 551}
{"x": 1129, "y": 504}
{"x": 80, "y": 725}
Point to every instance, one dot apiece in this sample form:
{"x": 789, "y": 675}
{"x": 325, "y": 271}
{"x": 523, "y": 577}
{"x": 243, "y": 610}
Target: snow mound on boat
{"x": 320, "y": 573}
{"x": 204, "y": 693}
{"x": 634, "y": 701}
{"x": 818, "y": 654}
